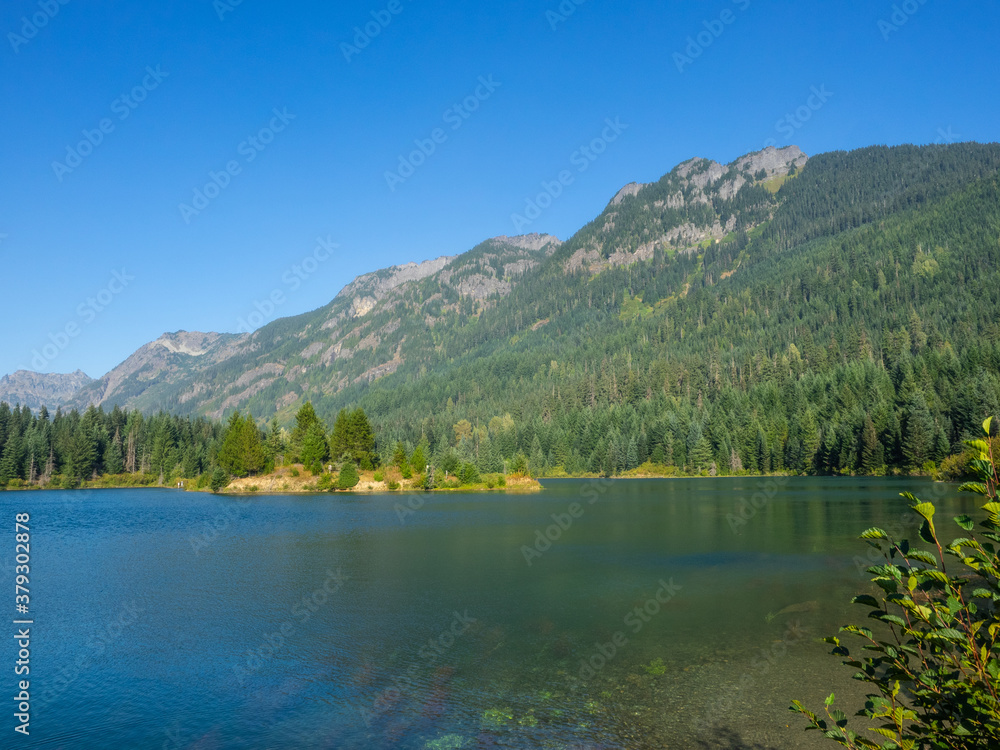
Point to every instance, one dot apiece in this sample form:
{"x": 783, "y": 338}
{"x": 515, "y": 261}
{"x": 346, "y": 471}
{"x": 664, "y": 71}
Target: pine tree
{"x": 315, "y": 449}
{"x": 192, "y": 462}
{"x": 10, "y": 460}
{"x": 304, "y": 419}
{"x": 701, "y": 456}
{"x": 399, "y": 455}
{"x": 83, "y": 453}
{"x": 275, "y": 445}
{"x": 114, "y": 462}
{"x": 870, "y": 447}
{"x": 219, "y": 479}
{"x": 362, "y": 440}
{"x": 918, "y": 440}
{"x": 419, "y": 458}
{"x": 242, "y": 450}
{"x": 348, "y": 477}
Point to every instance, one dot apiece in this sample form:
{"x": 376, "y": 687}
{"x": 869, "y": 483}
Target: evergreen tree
{"x": 399, "y": 455}
{"x": 918, "y": 443}
{"x": 340, "y": 440}
{"x": 362, "y": 440}
{"x": 419, "y": 458}
{"x": 870, "y": 447}
{"x": 348, "y": 477}
{"x": 219, "y": 479}
{"x": 701, "y": 456}
{"x": 10, "y": 460}
{"x": 304, "y": 419}
{"x": 83, "y": 453}
{"x": 114, "y": 459}
{"x": 275, "y": 446}
{"x": 315, "y": 449}
{"x": 242, "y": 451}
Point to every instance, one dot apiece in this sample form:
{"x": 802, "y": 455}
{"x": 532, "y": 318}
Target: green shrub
{"x": 468, "y": 474}
{"x": 379, "y": 476}
{"x": 933, "y": 657}
{"x": 392, "y": 485}
{"x": 220, "y": 479}
{"x": 325, "y": 483}
{"x": 348, "y": 476}
{"x": 295, "y": 472}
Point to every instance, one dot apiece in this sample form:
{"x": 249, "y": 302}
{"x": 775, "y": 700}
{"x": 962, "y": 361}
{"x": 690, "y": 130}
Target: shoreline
{"x": 249, "y": 486}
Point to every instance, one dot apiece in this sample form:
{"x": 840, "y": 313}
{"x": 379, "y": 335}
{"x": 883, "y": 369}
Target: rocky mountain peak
{"x": 533, "y": 241}
{"x": 187, "y": 342}
{"x": 34, "y": 389}
{"x": 772, "y": 160}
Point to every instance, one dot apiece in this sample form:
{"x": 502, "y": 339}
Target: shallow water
{"x": 340, "y": 622}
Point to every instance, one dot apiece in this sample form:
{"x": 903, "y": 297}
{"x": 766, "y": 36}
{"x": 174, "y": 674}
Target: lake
{"x": 597, "y": 614}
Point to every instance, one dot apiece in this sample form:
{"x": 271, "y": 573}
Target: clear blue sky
{"x": 65, "y": 229}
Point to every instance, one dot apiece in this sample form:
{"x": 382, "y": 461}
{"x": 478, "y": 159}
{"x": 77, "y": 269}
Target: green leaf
{"x": 894, "y": 619}
{"x": 933, "y": 574}
{"x": 867, "y": 599}
{"x": 966, "y": 522}
{"x": 978, "y": 488}
{"x": 829, "y": 700}
{"x": 922, "y": 556}
{"x": 947, "y": 634}
{"x": 927, "y": 532}
{"x": 874, "y": 533}
{"x": 924, "y": 510}
{"x": 980, "y": 445}
{"x": 986, "y": 425}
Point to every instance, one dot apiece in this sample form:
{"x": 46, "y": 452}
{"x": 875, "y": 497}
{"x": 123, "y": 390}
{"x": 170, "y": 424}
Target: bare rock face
{"x": 772, "y": 160}
{"x": 692, "y": 182}
{"x": 533, "y": 241}
{"x": 374, "y": 286}
{"x": 34, "y": 389}
{"x": 632, "y": 188}
{"x": 191, "y": 343}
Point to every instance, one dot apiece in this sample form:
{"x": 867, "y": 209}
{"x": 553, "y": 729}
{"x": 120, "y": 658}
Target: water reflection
{"x": 675, "y": 613}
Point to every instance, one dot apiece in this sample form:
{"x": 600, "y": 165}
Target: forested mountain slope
{"x": 855, "y": 329}
{"x": 835, "y": 314}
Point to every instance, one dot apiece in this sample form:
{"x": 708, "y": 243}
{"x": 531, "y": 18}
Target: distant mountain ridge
{"x": 175, "y": 371}
{"x": 35, "y": 390}
{"x": 659, "y": 263}
{"x": 357, "y": 338}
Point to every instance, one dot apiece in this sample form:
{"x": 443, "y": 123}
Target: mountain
{"x": 386, "y": 319}
{"x": 365, "y": 333}
{"x": 836, "y": 313}
{"x": 34, "y": 390}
